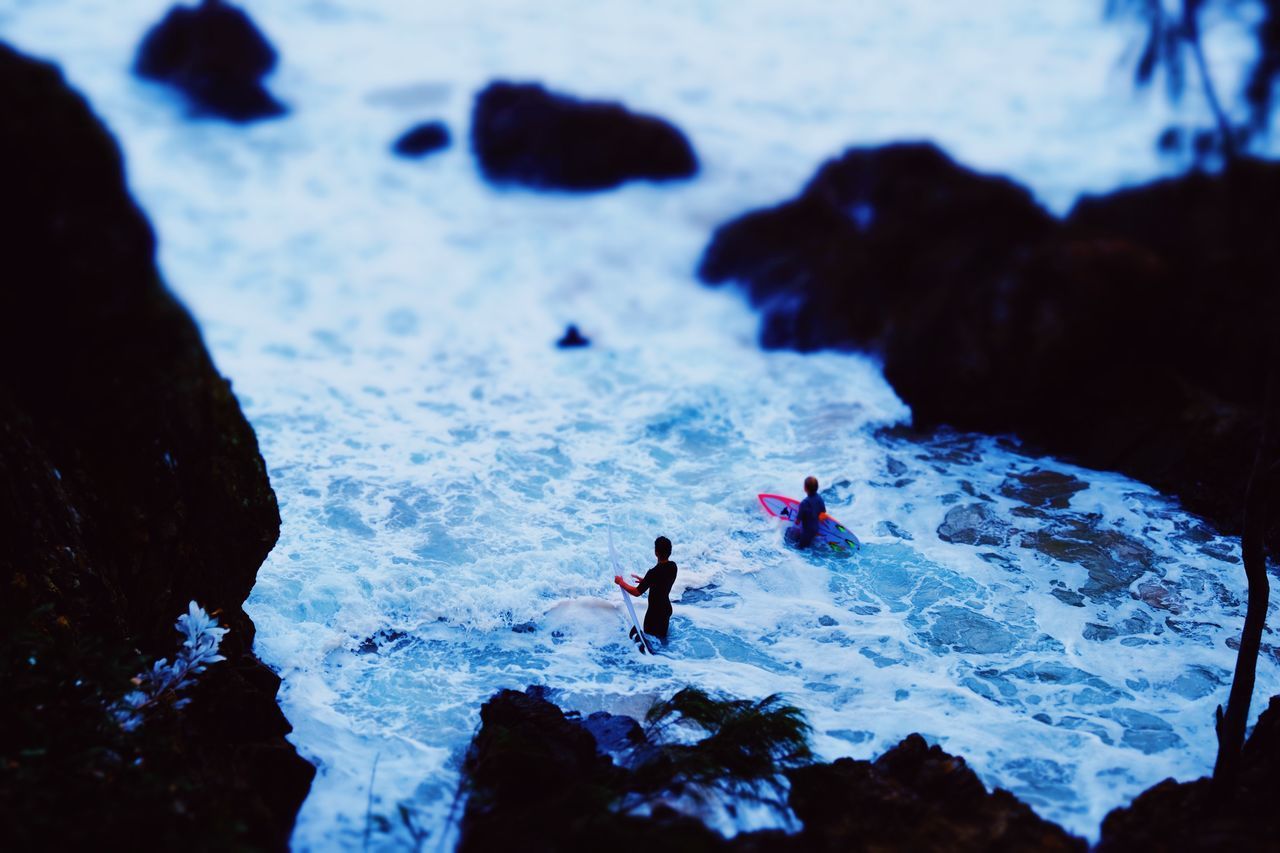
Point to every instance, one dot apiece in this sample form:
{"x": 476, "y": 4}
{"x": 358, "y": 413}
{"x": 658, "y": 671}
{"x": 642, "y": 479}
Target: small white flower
{"x": 164, "y": 680}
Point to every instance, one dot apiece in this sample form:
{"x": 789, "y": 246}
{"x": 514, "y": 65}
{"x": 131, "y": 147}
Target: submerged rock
{"x": 132, "y": 484}
{"x": 973, "y": 524}
{"x": 1113, "y": 559}
{"x": 524, "y": 134}
{"x": 422, "y": 139}
{"x": 215, "y": 54}
{"x": 1096, "y": 337}
{"x": 1042, "y": 489}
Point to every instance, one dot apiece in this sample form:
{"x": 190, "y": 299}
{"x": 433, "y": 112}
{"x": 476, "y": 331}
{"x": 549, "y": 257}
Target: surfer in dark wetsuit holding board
{"x": 657, "y": 582}
{"x": 812, "y": 511}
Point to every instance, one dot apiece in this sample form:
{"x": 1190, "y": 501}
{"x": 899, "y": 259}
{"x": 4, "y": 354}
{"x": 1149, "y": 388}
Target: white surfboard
{"x": 637, "y": 633}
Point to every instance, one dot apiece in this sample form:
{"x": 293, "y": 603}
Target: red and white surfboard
{"x": 832, "y": 535}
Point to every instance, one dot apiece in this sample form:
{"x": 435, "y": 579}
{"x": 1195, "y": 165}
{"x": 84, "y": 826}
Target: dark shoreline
{"x": 131, "y": 485}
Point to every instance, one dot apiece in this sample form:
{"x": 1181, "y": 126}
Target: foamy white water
{"x": 445, "y": 474}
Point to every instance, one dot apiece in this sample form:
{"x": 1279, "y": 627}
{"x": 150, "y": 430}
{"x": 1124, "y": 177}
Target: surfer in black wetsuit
{"x": 812, "y": 510}
{"x": 657, "y": 582}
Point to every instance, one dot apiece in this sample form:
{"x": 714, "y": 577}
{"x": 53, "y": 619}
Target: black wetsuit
{"x": 658, "y": 581}
{"x": 811, "y": 510}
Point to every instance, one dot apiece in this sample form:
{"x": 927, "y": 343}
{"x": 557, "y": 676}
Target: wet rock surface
{"x": 216, "y": 56}
{"x": 1095, "y": 336}
{"x": 132, "y": 484}
{"x": 1112, "y": 559}
{"x": 973, "y": 524}
{"x": 524, "y": 134}
{"x": 1043, "y": 489}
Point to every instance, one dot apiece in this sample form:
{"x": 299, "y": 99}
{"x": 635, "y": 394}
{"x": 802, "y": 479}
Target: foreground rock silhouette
{"x": 552, "y": 781}
{"x": 1134, "y": 335}
{"x": 524, "y": 134}
{"x": 130, "y": 484}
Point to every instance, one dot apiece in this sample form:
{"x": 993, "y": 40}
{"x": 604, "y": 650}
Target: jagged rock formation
{"x": 550, "y": 780}
{"x": 130, "y": 484}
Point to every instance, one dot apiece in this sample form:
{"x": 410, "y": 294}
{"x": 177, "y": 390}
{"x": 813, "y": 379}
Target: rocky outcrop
{"x": 130, "y": 484}
{"x": 550, "y": 780}
{"x": 422, "y": 139}
{"x": 534, "y": 774}
{"x": 1192, "y": 816}
{"x": 879, "y": 241}
{"x": 524, "y": 134}
{"x": 214, "y": 54}
{"x": 1132, "y": 336}
{"x": 914, "y": 797}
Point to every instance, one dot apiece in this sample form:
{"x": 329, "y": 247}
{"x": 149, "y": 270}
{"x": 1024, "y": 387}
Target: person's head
{"x": 811, "y": 485}
{"x": 662, "y": 547}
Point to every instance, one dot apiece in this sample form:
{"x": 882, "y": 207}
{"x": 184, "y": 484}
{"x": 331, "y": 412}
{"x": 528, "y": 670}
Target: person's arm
{"x": 641, "y": 584}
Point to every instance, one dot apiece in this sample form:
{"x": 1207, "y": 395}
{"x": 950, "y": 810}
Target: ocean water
{"x": 447, "y": 478}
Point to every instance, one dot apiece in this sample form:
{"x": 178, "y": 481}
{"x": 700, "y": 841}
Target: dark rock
{"x": 534, "y": 774}
{"x": 1188, "y": 816}
{"x": 422, "y": 139}
{"x": 572, "y": 338}
{"x": 1114, "y": 560}
{"x": 1041, "y": 488}
{"x": 879, "y": 239}
{"x": 1216, "y": 237}
{"x": 613, "y": 732}
{"x": 523, "y": 134}
{"x": 380, "y": 640}
{"x": 973, "y": 524}
{"x": 1068, "y": 596}
{"x": 914, "y": 797}
{"x": 132, "y": 484}
{"x": 1133, "y": 336}
{"x": 524, "y": 628}
{"x": 216, "y": 55}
